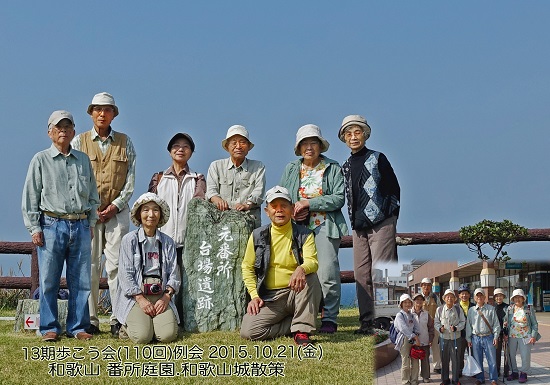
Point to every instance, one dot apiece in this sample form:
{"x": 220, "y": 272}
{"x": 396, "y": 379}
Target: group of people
{"x": 76, "y": 207}
{"x": 458, "y": 324}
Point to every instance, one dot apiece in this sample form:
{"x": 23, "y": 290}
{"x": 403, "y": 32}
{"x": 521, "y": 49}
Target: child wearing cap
{"x": 279, "y": 271}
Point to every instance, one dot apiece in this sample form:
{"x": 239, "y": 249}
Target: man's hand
{"x": 298, "y": 279}
{"x": 220, "y": 203}
{"x": 242, "y": 207}
{"x": 109, "y": 212}
{"x": 38, "y": 239}
{"x": 91, "y": 233}
{"x": 254, "y": 306}
{"x": 469, "y": 344}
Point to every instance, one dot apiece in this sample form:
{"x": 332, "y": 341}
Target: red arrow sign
{"x": 29, "y": 322}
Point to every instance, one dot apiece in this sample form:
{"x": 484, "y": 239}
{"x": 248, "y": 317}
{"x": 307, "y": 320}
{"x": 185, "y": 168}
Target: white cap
{"x": 310, "y": 131}
{"x": 426, "y": 280}
{"x": 449, "y": 291}
{"x": 499, "y": 291}
{"x": 58, "y": 116}
{"x": 479, "y": 291}
{"x": 103, "y": 99}
{"x": 403, "y": 298}
{"x": 517, "y": 292}
{"x": 418, "y": 295}
{"x": 277, "y": 192}
{"x": 236, "y": 130}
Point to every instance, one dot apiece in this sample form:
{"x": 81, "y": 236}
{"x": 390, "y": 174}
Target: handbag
{"x": 417, "y": 353}
{"x": 471, "y": 366}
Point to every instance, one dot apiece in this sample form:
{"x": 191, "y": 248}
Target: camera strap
{"x": 142, "y": 253}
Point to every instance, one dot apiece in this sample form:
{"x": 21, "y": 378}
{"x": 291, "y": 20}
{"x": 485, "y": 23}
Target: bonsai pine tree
{"x": 496, "y": 235}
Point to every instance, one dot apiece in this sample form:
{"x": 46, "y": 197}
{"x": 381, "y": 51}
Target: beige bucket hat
{"x": 310, "y": 131}
{"x": 237, "y": 129}
{"x": 354, "y": 120}
{"x": 103, "y": 99}
{"x": 517, "y": 292}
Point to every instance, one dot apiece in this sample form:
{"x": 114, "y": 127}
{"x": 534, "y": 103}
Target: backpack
{"x": 393, "y": 333}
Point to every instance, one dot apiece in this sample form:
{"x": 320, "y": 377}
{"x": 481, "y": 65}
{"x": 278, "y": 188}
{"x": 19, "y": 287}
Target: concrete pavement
{"x": 540, "y": 363}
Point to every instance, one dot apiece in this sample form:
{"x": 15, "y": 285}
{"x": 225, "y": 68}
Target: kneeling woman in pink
{"x": 148, "y": 276}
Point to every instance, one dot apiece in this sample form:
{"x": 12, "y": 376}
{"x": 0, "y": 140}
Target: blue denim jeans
{"x": 484, "y": 345}
{"x": 68, "y": 241}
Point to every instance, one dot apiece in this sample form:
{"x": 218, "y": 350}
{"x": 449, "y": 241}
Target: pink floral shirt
{"x": 519, "y": 327}
{"x": 311, "y": 186}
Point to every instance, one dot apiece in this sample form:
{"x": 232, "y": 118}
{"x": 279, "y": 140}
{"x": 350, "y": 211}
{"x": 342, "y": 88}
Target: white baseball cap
{"x": 277, "y": 192}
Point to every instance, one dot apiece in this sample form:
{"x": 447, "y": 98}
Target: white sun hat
{"x": 146, "y": 198}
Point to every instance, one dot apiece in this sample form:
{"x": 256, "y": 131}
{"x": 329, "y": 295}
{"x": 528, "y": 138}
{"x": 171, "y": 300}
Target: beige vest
{"x": 430, "y": 306}
{"x": 110, "y": 169}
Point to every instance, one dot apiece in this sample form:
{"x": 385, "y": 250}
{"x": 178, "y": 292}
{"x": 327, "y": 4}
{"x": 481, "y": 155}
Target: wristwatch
{"x": 169, "y": 292}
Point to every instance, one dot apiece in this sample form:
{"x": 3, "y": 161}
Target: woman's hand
{"x": 301, "y": 210}
{"x": 146, "y": 306}
{"x": 162, "y": 303}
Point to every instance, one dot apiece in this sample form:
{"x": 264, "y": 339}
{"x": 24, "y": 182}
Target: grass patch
{"x": 343, "y": 358}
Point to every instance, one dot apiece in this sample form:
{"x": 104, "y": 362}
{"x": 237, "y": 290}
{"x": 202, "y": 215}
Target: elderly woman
{"x": 148, "y": 276}
{"x": 426, "y": 333}
{"x": 409, "y": 330}
{"x": 523, "y": 332}
{"x": 177, "y": 185}
{"x": 316, "y": 185}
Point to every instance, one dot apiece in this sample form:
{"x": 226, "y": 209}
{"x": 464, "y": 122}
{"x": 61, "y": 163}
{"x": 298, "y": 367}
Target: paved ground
{"x": 540, "y": 363}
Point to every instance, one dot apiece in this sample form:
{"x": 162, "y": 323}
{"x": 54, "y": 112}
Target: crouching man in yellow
{"x": 279, "y": 271}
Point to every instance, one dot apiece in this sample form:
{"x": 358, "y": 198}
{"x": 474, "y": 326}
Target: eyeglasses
{"x": 358, "y": 133}
{"x": 311, "y": 143}
{"x": 234, "y": 143}
{"x": 64, "y": 127}
{"x": 106, "y": 109}
{"x": 176, "y": 147}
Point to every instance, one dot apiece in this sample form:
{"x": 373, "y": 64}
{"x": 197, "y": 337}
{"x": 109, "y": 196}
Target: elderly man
{"x": 372, "y": 193}
{"x": 114, "y": 161}
{"x": 431, "y": 303}
{"x": 449, "y": 322}
{"x": 59, "y": 209}
{"x": 482, "y": 331}
{"x": 237, "y": 182}
{"x": 465, "y": 304}
{"x": 279, "y": 272}
{"x": 500, "y": 308}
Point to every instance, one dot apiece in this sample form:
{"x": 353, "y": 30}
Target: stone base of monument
{"x": 385, "y": 353}
{"x": 213, "y": 294}
{"x": 31, "y": 306}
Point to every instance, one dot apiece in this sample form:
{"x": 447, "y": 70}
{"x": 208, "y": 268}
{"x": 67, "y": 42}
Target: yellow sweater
{"x": 282, "y": 262}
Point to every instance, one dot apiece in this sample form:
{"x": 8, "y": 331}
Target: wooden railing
{"x": 403, "y": 239}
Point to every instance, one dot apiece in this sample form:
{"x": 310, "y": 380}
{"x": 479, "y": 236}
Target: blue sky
{"x": 456, "y": 93}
